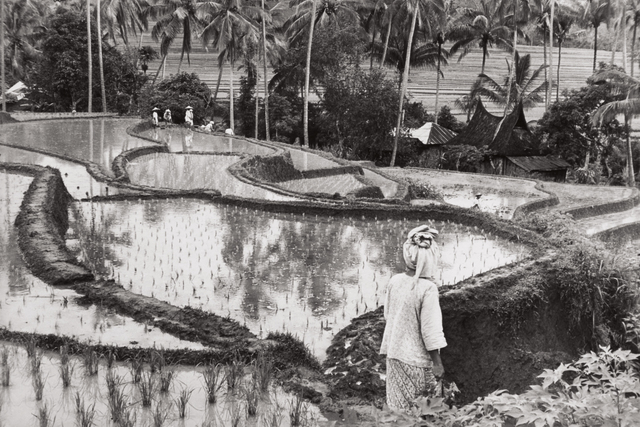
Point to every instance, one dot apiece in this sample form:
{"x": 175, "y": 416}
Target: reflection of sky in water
{"x": 19, "y": 406}
{"x": 96, "y": 140}
{"x": 195, "y": 171}
{"x": 78, "y": 181}
{"x": 308, "y": 275}
{"x": 30, "y": 305}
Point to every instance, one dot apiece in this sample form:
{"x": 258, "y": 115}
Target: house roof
{"x": 432, "y": 134}
{"x": 539, "y": 163}
{"x": 508, "y": 135}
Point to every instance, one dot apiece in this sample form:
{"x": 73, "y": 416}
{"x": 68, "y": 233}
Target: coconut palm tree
{"x": 174, "y": 17}
{"x": 486, "y": 24}
{"x": 103, "y": 92}
{"x": 305, "y": 17}
{"x": 634, "y": 15}
{"x": 89, "y": 58}
{"x": 562, "y": 25}
{"x": 521, "y": 88}
{"x": 405, "y": 78}
{"x": 629, "y": 107}
{"x": 597, "y": 12}
{"x": 23, "y": 28}
{"x": 124, "y": 16}
{"x": 3, "y": 84}
{"x": 229, "y": 26}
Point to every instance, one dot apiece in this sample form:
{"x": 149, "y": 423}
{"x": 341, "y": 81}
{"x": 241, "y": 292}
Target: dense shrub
{"x": 176, "y": 93}
{"x": 464, "y": 158}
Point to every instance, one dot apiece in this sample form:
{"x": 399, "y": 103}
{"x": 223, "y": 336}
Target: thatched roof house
{"x": 515, "y": 145}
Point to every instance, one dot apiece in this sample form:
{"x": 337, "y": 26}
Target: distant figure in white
{"x": 210, "y": 126}
{"x": 154, "y": 116}
{"x": 413, "y": 333}
{"x": 229, "y": 131}
{"x": 188, "y": 116}
{"x": 167, "y": 116}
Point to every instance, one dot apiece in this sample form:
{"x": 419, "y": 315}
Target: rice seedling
{"x": 298, "y": 412}
{"x": 160, "y": 414}
{"x": 36, "y": 361}
{"x": 136, "y": 369}
{"x": 118, "y": 406}
{"x": 44, "y": 416}
{"x": 30, "y": 346}
{"x": 90, "y": 361}
{"x": 272, "y": 418}
{"x": 251, "y": 393}
{"x": 157, "y": 361}
{"x": 6, "y": 375}
{"x": 182, "y": 400}
{"x": 113, "y": 381}
{"x": 4, "y": 356}
{"x": 66, "y": 373}
{"x": 38, "y": 385}
{"x": 234, "y": 374}
{"x": 166, "y": 377}
{"x": 262, "y": 372}
{"x": 79, "y": 402}
{"x": 236, "y": 413}
{"x": 85, "y": 414}
{"x": 146, "y": 387}
{"x": 213, "y": 380}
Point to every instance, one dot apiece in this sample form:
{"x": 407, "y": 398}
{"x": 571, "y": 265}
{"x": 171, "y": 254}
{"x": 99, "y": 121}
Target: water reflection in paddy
{"x": 308, "y": 275}
{"x": 30, "y": 305}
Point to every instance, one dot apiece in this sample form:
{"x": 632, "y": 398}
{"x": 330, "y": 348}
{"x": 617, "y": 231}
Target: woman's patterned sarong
{"x": 406, "y": 382}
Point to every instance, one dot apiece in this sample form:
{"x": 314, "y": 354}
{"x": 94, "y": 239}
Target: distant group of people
{"x": 188, "y": 120}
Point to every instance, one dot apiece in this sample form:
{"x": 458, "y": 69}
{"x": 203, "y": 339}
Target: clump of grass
{"x": 30, "y": 346}
{"x": 147, "y": 386}
{"x": 182, "y": 400}
{"x": 85, "y": 414}
{"x": 4, "y": 356}
{"x": 79, "y": 401}
{"x": 262, "y": 372}
{"x": 272, "y": 418}
{"x": 44, "y": 416}
{"x": 234, "y": 374}
{"x": 38, "y": 385}
{"x": 290, "y": 351}
{"x": 111, "y": 358}
{"x": 213, "y": 380}
{"x": 90, "y": 361}
{"x": 235, "y": 413}
{"x": 136, "y": 369}
{"x": 160, "y": 414}
{"x": 166, "y": 377}
{"x": 6, "y": 367}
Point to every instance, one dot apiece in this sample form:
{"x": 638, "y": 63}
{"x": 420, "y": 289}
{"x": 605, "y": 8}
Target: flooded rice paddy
{"x": 34, "y": 389}
{"x": 271, "y": 272}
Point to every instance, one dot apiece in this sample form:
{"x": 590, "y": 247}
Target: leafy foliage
{"x": 464, "y": 158}
{"x": 600, "y": 389}
{"x": 176, "y": 93}
{"x": 61, "y": 77}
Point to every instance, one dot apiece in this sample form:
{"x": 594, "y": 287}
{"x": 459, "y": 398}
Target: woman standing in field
{"x": 413, "y": 334}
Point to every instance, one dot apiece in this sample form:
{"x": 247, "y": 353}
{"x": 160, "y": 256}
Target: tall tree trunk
{"x": 231, "y": 106}
{"x": 623, "y": 29}
{"x": 512, "y": 73}
{"x": 484, "y": 57}
{"x": 266, "y": 82}
{"x": 140, "y": 42}
{"x": 386, "y": 43}
{"x": 544, "y": 63}
{"x": 215, "y": 94}
{"x": 558, "y": 78}
{"x": 550, "y": 84}
{"x": 89, "y": 59}
{"x": 373, "y": 39}
{"x": 595, "y": 48}
{"x": 403, "y": 86}
{"x": 3, "y": 81}
{"x": 307, "y": 73}
{"x": 164, "y": 58}
{"x": 435, "y": 120}
{"x": 631, "y": 182}
{"x": 103, "y": 92}
{"x": 257, "y": 112}
{"x": 616, "y": 33}
{"x": 179, "y": 63}
{"x": 633, "y": 46}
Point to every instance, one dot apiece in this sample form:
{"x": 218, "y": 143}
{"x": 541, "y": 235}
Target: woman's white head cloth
{"x": 421, "y": 252}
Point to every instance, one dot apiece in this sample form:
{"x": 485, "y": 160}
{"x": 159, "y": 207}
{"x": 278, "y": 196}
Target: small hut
{"x": 431, "y": 137}
{"x": 516, "y": 147}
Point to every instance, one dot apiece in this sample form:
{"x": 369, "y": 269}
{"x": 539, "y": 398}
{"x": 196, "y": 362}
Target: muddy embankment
{"x": 503, "y": 328}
